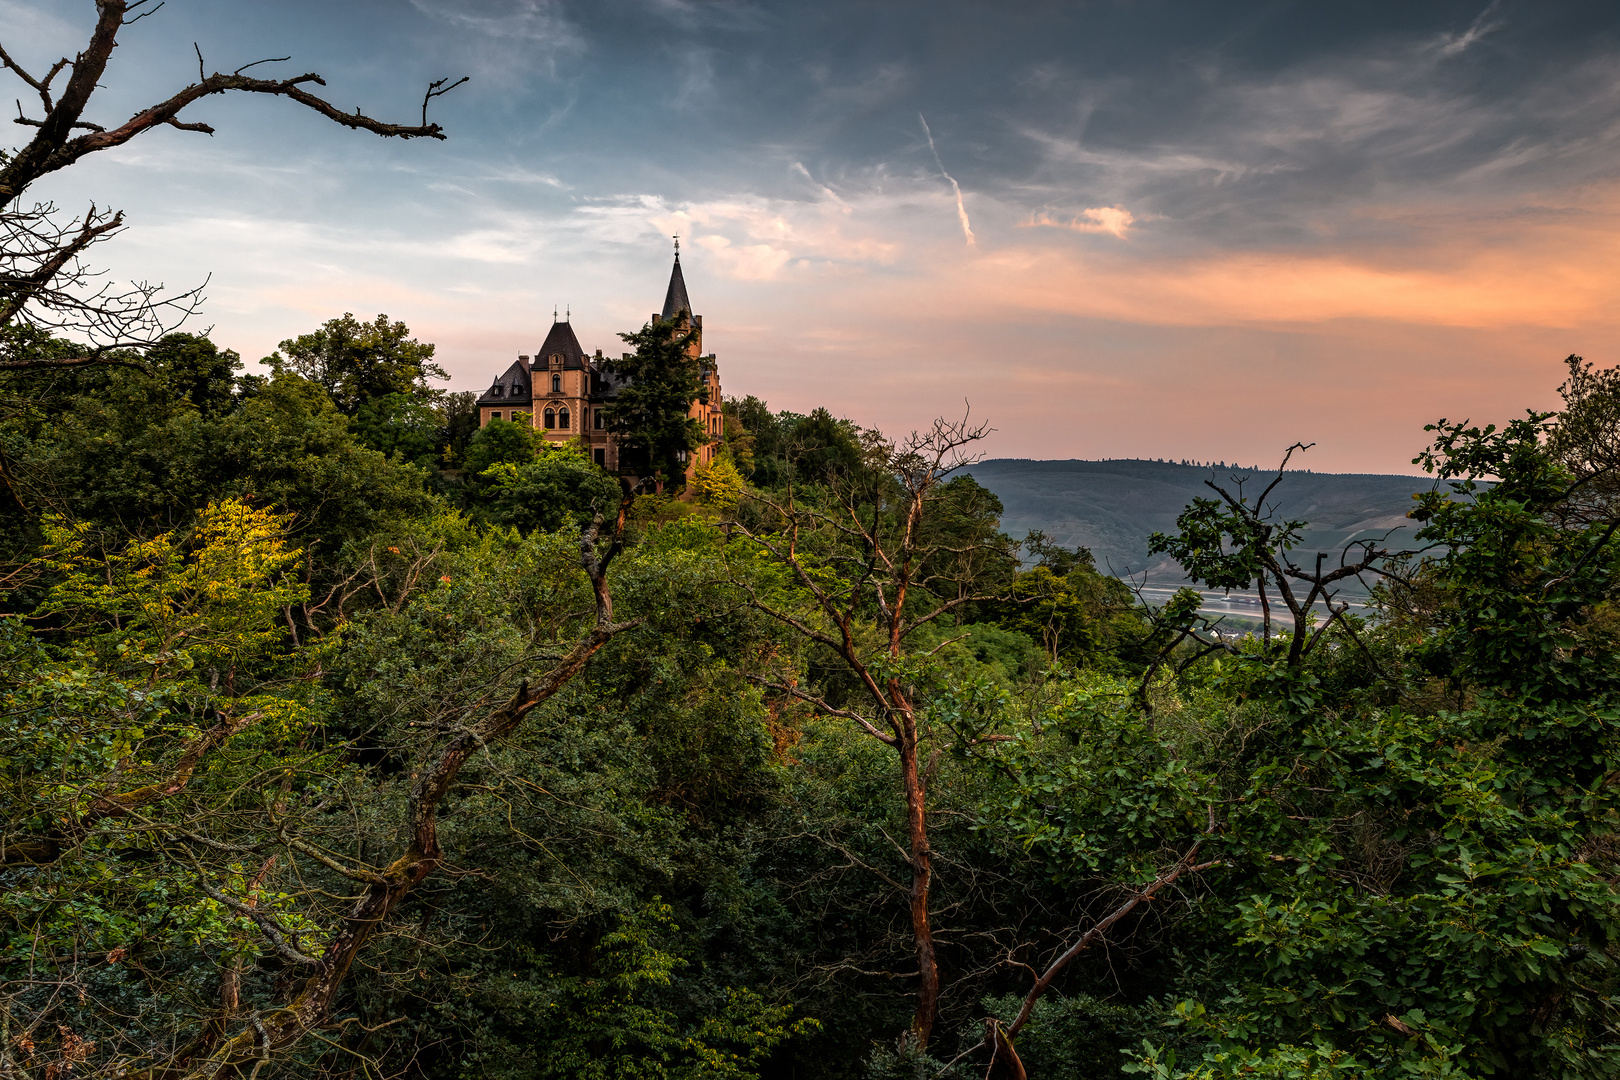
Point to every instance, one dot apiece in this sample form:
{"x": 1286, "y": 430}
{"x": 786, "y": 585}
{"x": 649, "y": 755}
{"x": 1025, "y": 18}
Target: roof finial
{"x": 677, "y": 247}
{"x": 554, "y": 313}
{"x": 568, "y": 313}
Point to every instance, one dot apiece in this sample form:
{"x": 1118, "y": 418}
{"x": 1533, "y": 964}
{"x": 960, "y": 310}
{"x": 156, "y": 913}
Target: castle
{"x": 566, "y": 393}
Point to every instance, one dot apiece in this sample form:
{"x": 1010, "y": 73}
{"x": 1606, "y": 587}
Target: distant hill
{"x": 1112, "y": 507}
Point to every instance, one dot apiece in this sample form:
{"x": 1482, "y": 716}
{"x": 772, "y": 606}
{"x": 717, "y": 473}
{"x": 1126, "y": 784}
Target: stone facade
{"x": 565, "y": 392}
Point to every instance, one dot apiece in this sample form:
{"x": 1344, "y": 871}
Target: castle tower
{"x": 566, "y": 393}
{"x": 706, "y": 409}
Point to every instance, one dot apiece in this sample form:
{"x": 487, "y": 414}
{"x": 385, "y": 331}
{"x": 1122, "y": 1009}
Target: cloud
{"x": 777, "y": 231}
{"x": 1453, "y": 44}
{"x": 827, "y": 192}
{"x": 36, "y": 35}
{"x": 1248, "y": 156}
{"x": 752, "y": 262}
{"x": 528, "y": 20}
{"x": 509, "y": 37}
{"x": 696, "y": 84}
{"x": 1114, "y": 220}
{"x": 701, "y": 15}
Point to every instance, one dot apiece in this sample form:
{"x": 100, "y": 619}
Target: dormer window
{"x": 498, "y": 391}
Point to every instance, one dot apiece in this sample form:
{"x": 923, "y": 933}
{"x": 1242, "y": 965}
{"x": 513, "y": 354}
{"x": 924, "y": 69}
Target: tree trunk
{"x": 922, "y": 876}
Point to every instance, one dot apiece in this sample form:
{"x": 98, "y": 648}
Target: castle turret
{"x": 569, "y": 393}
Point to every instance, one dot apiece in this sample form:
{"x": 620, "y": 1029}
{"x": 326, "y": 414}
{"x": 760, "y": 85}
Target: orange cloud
{"x": 1114, "y": 220}
{"x": 1541, "y": 266}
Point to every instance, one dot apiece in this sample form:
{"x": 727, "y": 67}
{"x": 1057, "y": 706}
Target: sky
{"x": 1183, "y": 229}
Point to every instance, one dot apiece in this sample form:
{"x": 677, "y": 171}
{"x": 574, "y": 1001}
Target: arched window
{"x": 601, "y": 419}
{"x": 556, "y": 384}
{"x": 562, "y": 419}
{"x": 551, "y": 419}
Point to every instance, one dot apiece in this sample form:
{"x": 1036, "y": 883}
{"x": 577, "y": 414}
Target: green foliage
{"x": 357, "y": 363}
{"x": 238, "y": 622}
{"x": 501, "y": 442}
{"x": 196, "y": 370}
{"x": 559, "y": 485}
{"x": 1080, "y": 618}
{"x": 1528, "y": 589}
{"x": 603, "y": 1027}
{"x": 649, "y": 410}
{"x": 774, "y": 448}
{"x": 718, "y": 484}
{"x": 216, "y": 604}
{"x": 1082, "y": 1036}
{"x": 1221, "y": 548}
{"x": 401, "y": 426}
{"x": 458, "y": 426}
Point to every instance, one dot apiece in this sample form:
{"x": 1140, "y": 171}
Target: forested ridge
{"x": 323, "y": 757}
{"x": 1111, "y": 507}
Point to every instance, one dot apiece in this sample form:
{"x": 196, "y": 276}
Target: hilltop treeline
{"x": 344, "y": 738}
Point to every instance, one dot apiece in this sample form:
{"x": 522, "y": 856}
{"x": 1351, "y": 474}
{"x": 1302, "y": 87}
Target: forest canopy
{"x": 347, "y": 738}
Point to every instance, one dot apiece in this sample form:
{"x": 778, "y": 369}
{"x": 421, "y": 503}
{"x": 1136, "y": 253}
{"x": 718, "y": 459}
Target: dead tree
{"x": 44, "y": 281}
{"x": 1235, "y": 542}
{"x": 871, "y": 554}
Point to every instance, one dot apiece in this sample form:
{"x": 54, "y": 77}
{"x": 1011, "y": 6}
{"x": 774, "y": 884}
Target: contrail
{"x": 825, "y": 190}
{"x": 961, "y": 210}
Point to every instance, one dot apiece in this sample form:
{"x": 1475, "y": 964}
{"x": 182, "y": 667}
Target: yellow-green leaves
{"x": 718, "y": 484}
{"x": 212, "y": 596}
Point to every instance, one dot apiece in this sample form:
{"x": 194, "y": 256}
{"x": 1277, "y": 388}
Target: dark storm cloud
{"x": 1229, "y": 117}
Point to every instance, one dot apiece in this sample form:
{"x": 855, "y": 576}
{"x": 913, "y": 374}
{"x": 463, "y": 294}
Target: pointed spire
{"x": 675, "y": 300}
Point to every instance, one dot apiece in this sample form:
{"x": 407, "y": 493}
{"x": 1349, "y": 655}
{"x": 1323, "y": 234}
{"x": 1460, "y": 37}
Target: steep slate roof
{"x": 675, "y": 300}
{"x": 514, "y": 384}
{"x": 560, "y": 340}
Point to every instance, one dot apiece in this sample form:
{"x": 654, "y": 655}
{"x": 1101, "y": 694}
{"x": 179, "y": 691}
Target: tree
{"x": 558, "y": 486}
{"x": 44, "y": 281}
{"x": 198, "y": 370}
{"x": 458, "y": 426}
{"x": 883, "y": 560}
{"x": 500, "y": 442}
{"x": 359, "y": 363}
{"x": 1233, "y": 542}
{"x": 718, "y": 483}
{"x": 402, "y": 426}
{"x": 650, "y": 411}
{"x": 188, "y": 755}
